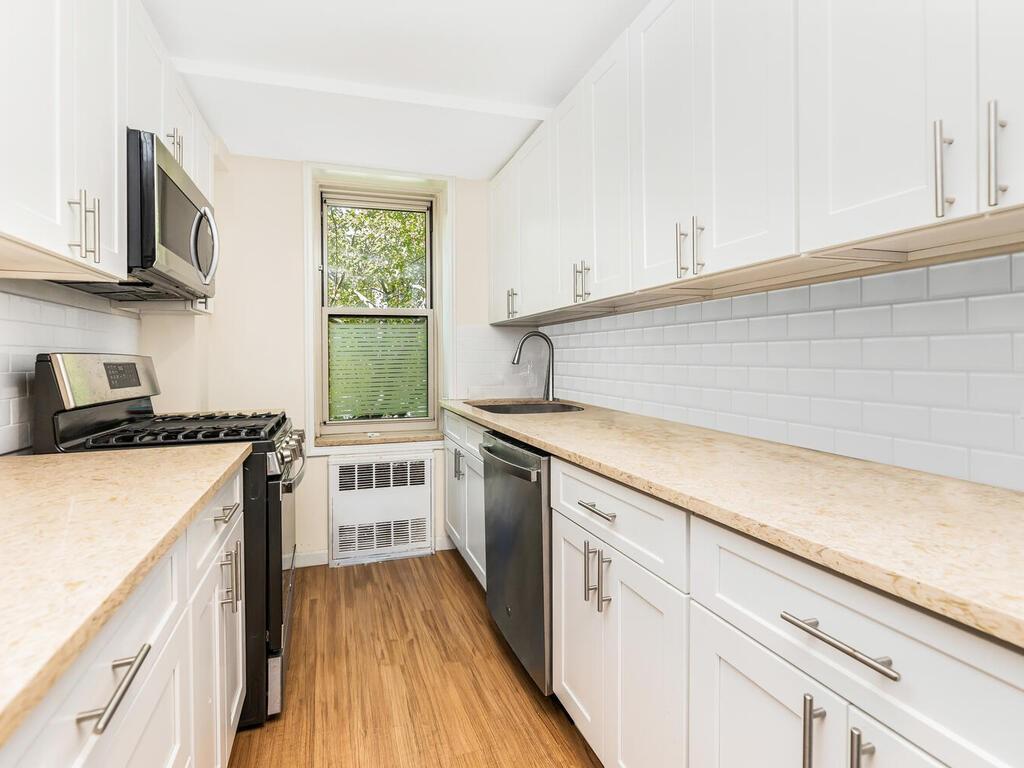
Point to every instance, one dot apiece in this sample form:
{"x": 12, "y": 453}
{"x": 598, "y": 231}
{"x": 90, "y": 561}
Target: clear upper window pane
{"x": 377, "y": 367}
{"x": 376, "y": 258}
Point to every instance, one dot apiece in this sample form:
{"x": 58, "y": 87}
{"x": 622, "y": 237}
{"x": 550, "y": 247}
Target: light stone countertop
{"x": 78, "y": 532}
{"x": 950, "y": 546}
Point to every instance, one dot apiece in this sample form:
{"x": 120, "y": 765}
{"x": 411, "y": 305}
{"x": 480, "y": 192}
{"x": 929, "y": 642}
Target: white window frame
{"x": 375, "y": 198}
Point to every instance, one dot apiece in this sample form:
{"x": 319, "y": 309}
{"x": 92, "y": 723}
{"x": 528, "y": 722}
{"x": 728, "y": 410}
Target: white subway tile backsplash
{"x": 921, "y": 368}
{"x": 930, "y": 317}
{"x": 911, "y": 285}
{"x": 966, "y": 278}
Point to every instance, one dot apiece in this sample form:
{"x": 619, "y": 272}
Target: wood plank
{"x": 398, "y": 664}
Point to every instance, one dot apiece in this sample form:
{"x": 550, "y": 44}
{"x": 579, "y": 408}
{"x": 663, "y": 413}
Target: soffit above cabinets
{"x": 451, "y": 87}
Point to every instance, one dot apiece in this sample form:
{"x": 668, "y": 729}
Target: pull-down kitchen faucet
{"x": 549, "y": 388}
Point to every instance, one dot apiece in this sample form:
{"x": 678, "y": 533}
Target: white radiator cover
{"x": 381, "y": 507}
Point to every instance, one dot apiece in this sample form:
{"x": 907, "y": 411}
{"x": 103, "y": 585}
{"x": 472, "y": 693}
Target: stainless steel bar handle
{"x": 698, "y": 229}
{"x": 681, "y": 267}
{"x": 181, "y": 148}
{"x": 508, "y": 303}
{"x": 810, "y": 714}
{"x": 880, "y": 664}
{"x": 584, "y": 270}
{"x": 238, "y": 573}
{"x": 105, "y": 714}
{"x": 939, "y": 144}
{"x": 587, "y": 589}
{"x": 96, "y": 245}
{"x": 576, "y": 292}
{"x": 602, "y": 598}
{"x": 859, "y": 747}
{"x": 457, "y": 470}
{"x": 227, "y": 512}
{"x": 514, "y": 295}
{"x": 994, "y": 124}
{"x": 526, "y": 473}
{"x": 173, "y": 136}
{"x": 82, "y": 204}
{"x": 591, "y": 506}
{"x": 229, "y": 592}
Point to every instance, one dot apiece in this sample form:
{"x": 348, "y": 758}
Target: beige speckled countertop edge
{"x": 966, "y": 611}
{"x": 21, "y": 703}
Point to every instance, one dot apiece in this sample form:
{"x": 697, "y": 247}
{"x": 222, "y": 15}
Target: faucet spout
{"x": 549, "y": 386}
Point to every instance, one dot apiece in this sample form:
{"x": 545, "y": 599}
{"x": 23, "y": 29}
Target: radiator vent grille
{"x": 380, "y": 509}
{"x": 382, "y": 474}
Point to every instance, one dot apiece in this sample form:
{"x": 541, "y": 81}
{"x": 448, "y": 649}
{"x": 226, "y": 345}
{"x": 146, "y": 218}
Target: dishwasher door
{"x": 517, "y": 529}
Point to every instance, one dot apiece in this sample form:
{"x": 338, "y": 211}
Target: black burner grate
{"x": 178, "y": 429}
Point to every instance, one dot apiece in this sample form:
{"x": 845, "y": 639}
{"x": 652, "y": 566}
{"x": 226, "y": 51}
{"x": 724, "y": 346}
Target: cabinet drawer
{"x": 454, "y": 427}
{"x": 652, "y": 533}
{"x": 210, "y": 528}
{"x": 959, "y": 697}
{"x": 474, "y": 436}
{"x": 51, "y": 736}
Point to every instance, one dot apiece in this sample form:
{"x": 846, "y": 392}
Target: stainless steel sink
{"x": 525, "y": 407}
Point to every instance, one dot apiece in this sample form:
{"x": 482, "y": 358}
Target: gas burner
{"x": 181, "y": 429}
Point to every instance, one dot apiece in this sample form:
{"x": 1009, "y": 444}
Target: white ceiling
{"x": 442, "y": 87}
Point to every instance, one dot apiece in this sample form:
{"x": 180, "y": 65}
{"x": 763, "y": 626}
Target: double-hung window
{"x": 377, "y": 317}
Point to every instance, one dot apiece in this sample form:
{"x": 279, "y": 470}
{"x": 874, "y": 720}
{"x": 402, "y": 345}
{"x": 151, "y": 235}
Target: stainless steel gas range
{"x": 95, "y": 402}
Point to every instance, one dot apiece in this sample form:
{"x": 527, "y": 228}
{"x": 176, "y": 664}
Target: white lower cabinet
{"x": 748, "y": 706}
{"x": 218, "y": 652}
{"x": 881, "y": 747}
{"x": 464, "y": 507}
{"x": 619, "y": 651}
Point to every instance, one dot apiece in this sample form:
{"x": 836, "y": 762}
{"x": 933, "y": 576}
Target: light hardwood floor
{"x": 397, "y": 664}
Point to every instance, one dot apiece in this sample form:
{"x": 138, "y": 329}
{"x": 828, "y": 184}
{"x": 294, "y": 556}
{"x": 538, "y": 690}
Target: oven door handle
{"x": 204, "y": 213}
{"x": 288, "y": 484}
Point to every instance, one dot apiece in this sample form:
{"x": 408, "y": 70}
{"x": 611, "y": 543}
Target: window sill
{"x": 381, "y": 438}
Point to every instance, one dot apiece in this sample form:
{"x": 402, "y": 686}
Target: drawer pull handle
{"x": 859, "y": 747}
{"x": 104, "y": 715}
{"x": 591, "y": 506}
{"x": 587, "y": 589}
{"x": 602, "y": 598}
{"x": 238, "y": 573}
{"x": 231, "y": 592}
{"x": 881, "y": 664}
{"x": 227, "y": 512}
{"x": 811, "y": 713}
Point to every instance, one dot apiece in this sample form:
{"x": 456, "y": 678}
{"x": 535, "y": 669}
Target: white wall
{"x": 52, "y": 319}
{"x": 923, "y": 368}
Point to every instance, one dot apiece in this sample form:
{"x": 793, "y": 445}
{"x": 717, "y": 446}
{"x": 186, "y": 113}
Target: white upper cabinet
{"x": 745, "y": 127}
{"x": 607, "y": 94}
{"x": 1001, "y": 103}
{"x": 35, "y": 138}
{"x": 179, "y": 120}
{"x": 663, "y": 189}
{"x": 572, "y": 198}
{"x": 538, "y": 279}
{"x": 144, "y": 77}
{"x": 885, "y": 85}
{"x": 99, "y": 133}
{"x": 504, "y": 237}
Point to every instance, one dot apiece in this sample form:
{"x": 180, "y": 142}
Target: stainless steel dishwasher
{"x": 517, "y": 531}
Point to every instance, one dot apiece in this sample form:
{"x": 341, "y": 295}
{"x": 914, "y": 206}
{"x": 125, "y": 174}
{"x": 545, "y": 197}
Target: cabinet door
{"x": 873, "y": 78}
{"x": 504, "y": 257}
{"x": 746, "y": 704}
{"x": 208, "y": 667}
{"x": 607, "y": 91}
{"x": 35, "y": 134}
{"x": 476, "y": 543}
{"x": 99, "y": 126}
{"x": 573, "y": 204}
{"x": 537, "y": 279}
{"x": 144, "y": 73}
{"x": 745, "y": 131}
{"x": 156, "y": 729}
{"x": 179, "y": 114}
{"x": 233, "y": 638}
{"x": 455, "y": 495}
{"x": 578, "y": 663}
{"x": 887, "y": 749}
{"x": 645, "y": 666}
{"x": 1001, "y": 61}
{"x": 204, "y": 158}
{"x": 661, "y": 137}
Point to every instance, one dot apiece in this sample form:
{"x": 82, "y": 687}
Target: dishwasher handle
{"x": 524, "y": 473}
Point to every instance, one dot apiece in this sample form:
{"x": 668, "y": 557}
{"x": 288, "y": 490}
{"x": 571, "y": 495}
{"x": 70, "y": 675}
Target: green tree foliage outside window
{"x": 377, "y": 365}
{"x": 376, "y": 258}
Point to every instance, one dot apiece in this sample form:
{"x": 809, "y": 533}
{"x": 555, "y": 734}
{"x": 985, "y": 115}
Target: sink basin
{"x": 526, "y": 407}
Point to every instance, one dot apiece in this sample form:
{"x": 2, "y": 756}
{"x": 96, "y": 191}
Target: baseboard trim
{"x": 307, "y": 559}
{"x": 443, "y": 542}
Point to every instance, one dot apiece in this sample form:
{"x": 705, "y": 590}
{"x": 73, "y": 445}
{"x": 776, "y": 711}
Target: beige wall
{"x": 249, "y": 353}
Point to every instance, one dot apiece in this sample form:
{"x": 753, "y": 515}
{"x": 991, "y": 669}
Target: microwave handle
{"x": 204, "y": 213}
